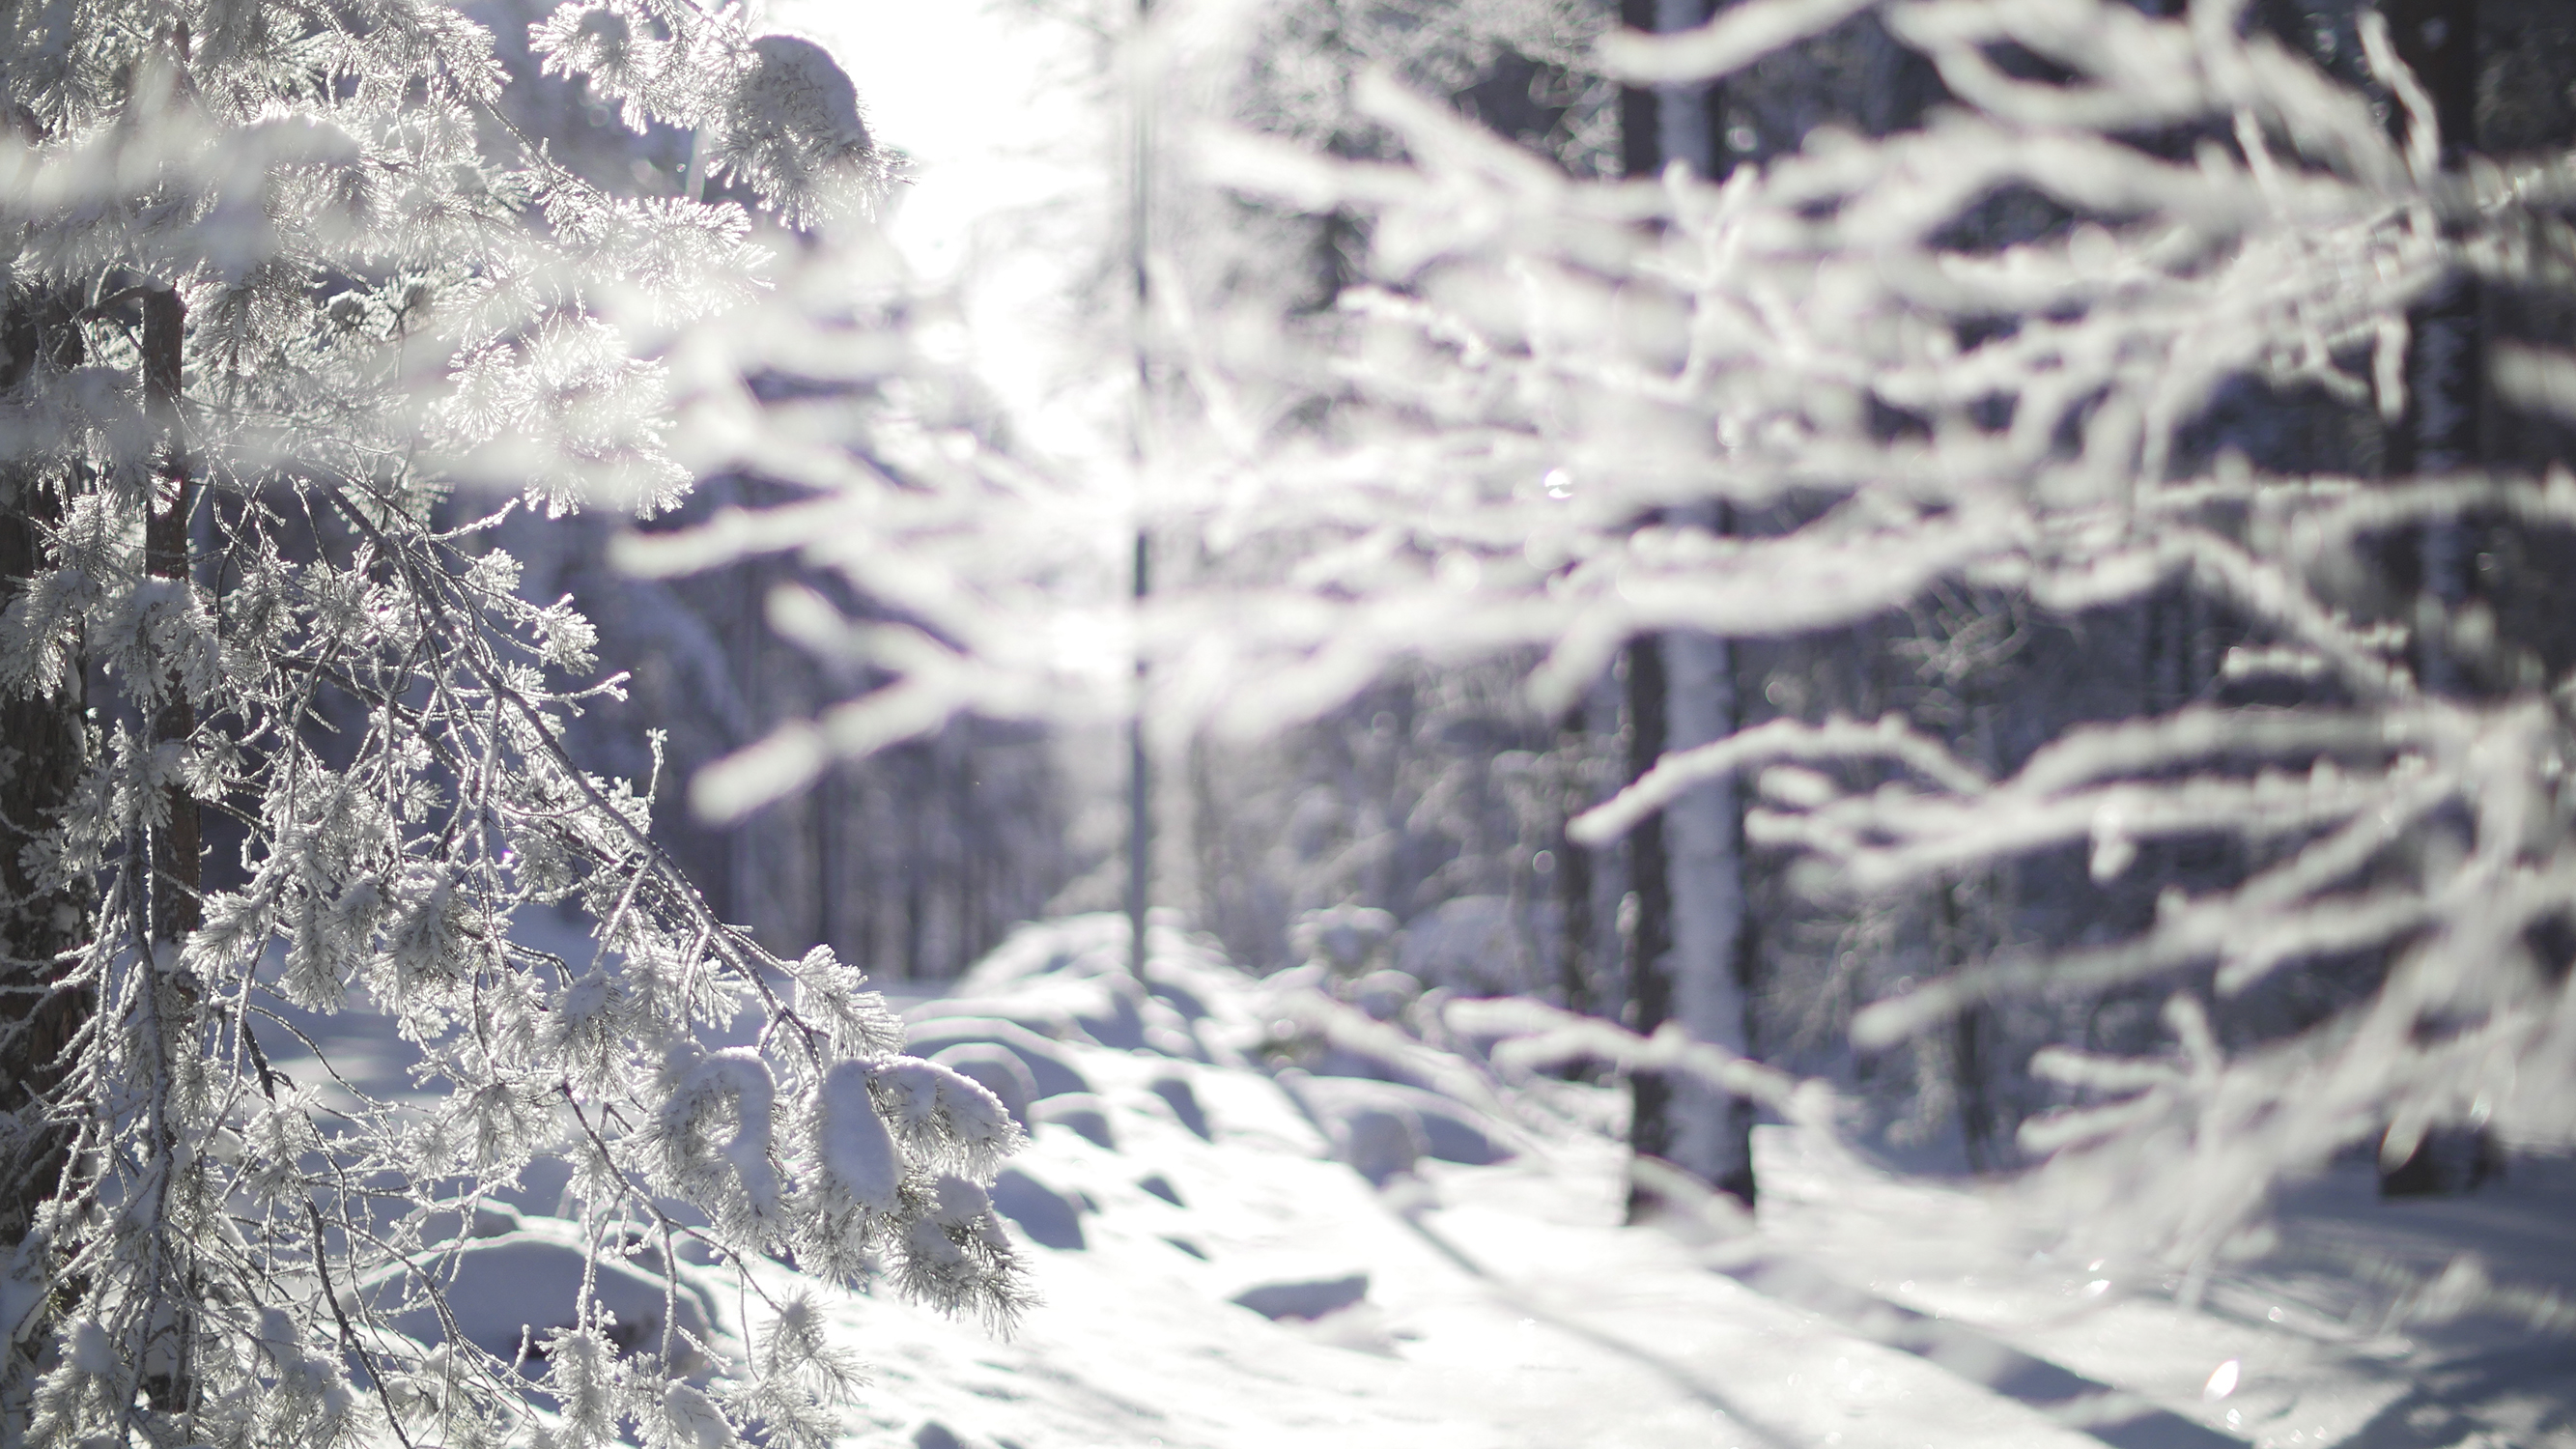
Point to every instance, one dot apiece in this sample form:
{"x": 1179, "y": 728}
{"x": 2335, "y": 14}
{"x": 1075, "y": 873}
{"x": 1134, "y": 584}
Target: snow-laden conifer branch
{"x": 217, "y": 1233}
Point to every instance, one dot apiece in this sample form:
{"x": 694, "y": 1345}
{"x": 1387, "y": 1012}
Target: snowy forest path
{"x": 2334, "y": 1330}
{"x": 1768, "y": 1349}
{"x": 1869, "y": 1310}
{"x": 1507, "y": 1307}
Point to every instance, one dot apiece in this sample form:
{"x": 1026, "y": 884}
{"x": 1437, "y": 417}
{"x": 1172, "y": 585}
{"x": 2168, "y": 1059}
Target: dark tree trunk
{"x": 1641, "y": 151}
{"x": 1573, "y": 867}
{"x": 176, "y": 854}
{"x": 1957, "y": 904}
{"x": 40, "y": 923}
{"x": 1650, "y": 985}
{"x": 2444, "y": 364}
{"x": 1649, "y": 937}
{"x": 2439, "y": 433}
{"x": 1700, "y": 1128}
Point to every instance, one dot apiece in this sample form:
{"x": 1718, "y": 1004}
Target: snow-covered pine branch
{"x": 284, "y": 279}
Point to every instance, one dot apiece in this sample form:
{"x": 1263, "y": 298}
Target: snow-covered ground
{"x": 1180, "y": 1169}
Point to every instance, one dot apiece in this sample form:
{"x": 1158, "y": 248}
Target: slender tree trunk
{"x": 2439, "y": 433}
{"x": 177, "y": 858}
{"x": 1140, "y": 780}
{"x": 1650, "y": 983}
{"x": 2444, "y": 368}
{"x": 1662, "y": 124}
{"x": 41, "y": 751}
{"x": 1649, "y": 934}
{"x": 915, "y": 907}
{"x": 1692, "y": 953}
{"x": 1573, "y": 864}
{"x": 1958, "y": 905}
{"x": 1641, "y": 150}
{"x": 1712, "y": 1134}
{"x": 827, "y": 859}
{"x": 177, "y": 853}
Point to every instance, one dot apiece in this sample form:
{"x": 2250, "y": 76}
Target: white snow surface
{"x": 1186, "y": 1167}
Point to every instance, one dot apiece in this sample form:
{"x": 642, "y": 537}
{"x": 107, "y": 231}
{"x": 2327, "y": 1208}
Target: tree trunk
{"x": 2439, "y": 430}
{"x": 1573, "y": 863}
{"x": 1140, "y": 799}
{"x": 1712, "y": 1132}
{"x": 1691, "y": 955}
{"x": 1650, "y": 985}
{"x": 2445, "y": 376}
{"x": 1958, "y": 909}
{"x": 177, "y": 858}
{"x": 39, "y": 923}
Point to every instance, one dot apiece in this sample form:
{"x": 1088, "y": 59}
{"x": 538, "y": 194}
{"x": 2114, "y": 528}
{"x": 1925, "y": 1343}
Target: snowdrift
{"x": 1261, "y": 1215}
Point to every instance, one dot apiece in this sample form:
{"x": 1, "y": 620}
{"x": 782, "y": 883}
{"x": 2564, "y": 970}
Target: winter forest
{"x": 1019, "y": 724}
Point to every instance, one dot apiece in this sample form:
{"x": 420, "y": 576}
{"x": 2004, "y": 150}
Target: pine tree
{"x": 283, "y": 281}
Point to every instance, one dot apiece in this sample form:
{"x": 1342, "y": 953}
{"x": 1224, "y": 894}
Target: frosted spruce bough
{"x": 283, "y": 742}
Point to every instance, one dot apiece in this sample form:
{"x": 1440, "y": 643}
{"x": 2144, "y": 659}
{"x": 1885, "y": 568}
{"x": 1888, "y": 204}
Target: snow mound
{"x": 1225, "y": 1258}
{"x": 519, "y": 1279}
{"x": 1044, "y": 1216}
{"x": 1304, "y": 1297}
{"x": 998, "y": 1070}
{"x": 1184, "y": 1102}
{"x": 1081, "y": 1113}
{"x": 1051, "y": 1071}
{"x": 1438, "y": 1126}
